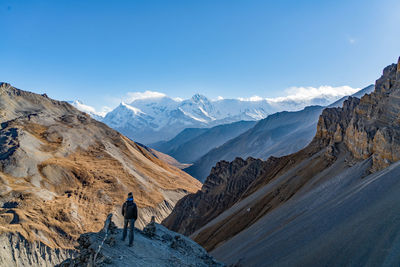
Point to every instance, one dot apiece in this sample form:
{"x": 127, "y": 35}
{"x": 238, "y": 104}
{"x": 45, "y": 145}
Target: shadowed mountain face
{"x": 61, "y": 172}
{"x": 191, "y": 144}
{"x": 320, "y": 205}
{"x": 278, "y": 134}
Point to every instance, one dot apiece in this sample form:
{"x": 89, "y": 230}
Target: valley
{"x": 199, "y": 133}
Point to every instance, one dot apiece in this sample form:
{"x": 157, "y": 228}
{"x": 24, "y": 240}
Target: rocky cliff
{"x": 363, "y": 130}
{"x": 61, "y": 172}
{"x": 369, "y": 127}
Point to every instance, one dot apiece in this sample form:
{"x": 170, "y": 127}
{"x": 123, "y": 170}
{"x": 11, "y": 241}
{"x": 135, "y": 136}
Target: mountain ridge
{"x": 201, "y": 140}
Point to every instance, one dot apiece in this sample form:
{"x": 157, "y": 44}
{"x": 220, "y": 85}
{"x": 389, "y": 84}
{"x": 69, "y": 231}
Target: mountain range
{"x": 156, "y": 117}
{"x": 333, "y": 203}
{"x": 160, "y": 119}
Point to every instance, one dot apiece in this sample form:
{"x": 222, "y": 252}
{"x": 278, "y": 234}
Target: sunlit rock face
{"x": 370, "y": 126}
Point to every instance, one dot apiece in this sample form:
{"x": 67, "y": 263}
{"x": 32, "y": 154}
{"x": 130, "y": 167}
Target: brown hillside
{"x": 62, "y": 172}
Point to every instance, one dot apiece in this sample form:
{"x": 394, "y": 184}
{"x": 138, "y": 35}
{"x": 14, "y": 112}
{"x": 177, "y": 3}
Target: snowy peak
{"x": 198, "y": 98}
{"x": 135, "y": 111}
{"x": 126, "y": 115}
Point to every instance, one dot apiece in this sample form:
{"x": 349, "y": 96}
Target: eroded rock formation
{"x": 369, "y": 127}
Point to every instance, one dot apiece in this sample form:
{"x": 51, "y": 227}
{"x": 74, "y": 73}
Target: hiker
{"x": 129, "y": 210}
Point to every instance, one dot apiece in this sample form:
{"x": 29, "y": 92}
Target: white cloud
{"x": 300, "y": 94}
{"x": 253, "y": 98}
{"x": 308, "y": 94}
{"x": 132, "y": 96}
{"x": 91, "y": 110}
{"x": 82, "y": 107}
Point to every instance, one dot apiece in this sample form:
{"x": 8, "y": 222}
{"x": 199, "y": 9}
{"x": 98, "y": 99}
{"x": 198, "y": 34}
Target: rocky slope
{"x": 222, "y": 189}
{"x": 155, "y": 246}
{"x": 61, "y": 172}
{"x": 352, "y": 143}
{"x": 346, "y": 221}
{"x": 207, "y": 139}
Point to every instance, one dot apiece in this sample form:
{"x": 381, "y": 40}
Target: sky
{"x": 101, "y": 52}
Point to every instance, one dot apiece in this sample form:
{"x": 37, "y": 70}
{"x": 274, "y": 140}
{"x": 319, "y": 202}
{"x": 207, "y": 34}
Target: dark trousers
{"x": 131, "y": 223}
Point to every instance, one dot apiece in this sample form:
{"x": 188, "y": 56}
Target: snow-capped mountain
{"x": 155, "y": 119}
{"x": 150, "y": 117}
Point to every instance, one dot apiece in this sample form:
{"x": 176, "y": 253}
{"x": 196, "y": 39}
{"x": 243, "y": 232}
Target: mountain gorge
{"x": 326, "y": 198}
{"x": 62, "y": 172}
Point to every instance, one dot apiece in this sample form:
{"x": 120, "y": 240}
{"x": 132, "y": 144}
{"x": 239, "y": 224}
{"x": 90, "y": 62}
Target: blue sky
{"x": 98, "y": 51}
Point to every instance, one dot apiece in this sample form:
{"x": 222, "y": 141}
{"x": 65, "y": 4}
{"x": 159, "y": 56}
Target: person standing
{"x": 129, "y": 211}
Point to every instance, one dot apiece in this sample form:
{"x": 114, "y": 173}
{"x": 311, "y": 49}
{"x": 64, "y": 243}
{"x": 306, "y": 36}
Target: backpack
{"x": 130, "y": 210}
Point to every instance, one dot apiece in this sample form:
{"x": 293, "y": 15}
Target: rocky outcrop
{"x": 61, "y": 172}
{"x": 223, "y": 187}
{"x": 158, "y": 247}
{"x": 333, "y": 122}
{"x": 369, "y": 127}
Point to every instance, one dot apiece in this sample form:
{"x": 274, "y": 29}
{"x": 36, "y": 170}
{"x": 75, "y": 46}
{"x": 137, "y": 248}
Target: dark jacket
{"x": 129, "y": 210}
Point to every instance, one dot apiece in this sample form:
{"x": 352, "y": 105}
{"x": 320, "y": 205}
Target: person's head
{"x": 130, "y": 196}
